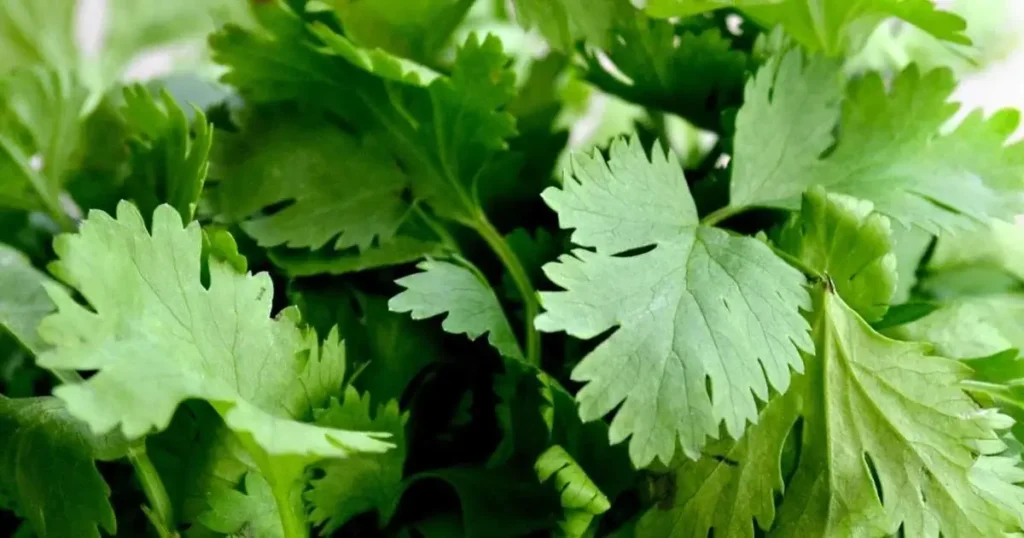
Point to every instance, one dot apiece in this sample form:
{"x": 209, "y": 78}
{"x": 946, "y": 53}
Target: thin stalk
{"x": 522, "y": 281}
{"x": 797, "y": 263}
{"x": 293, "y": 525}
{"x": 720, "y": 215}
{"x": 67, "y": 377}
{"x": 162, "y": 513}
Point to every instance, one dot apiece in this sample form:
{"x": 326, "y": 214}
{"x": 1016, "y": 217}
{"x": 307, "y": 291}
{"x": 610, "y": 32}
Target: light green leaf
{"x": 364, "y": 482}
{"x": 831, "y": 26}
{"x": 843, "y": 239}
{"x": 999, "y": 246}
{"x": 251, "y": 512}
{"x": 910, "y": 244}
{"x": 705, "y": 321}
{"x": 97, "y": 48}
{"x": 694, "y": 74}
{"x": 564, "y": 22}
{"x": 731, "y": 487}
{"x": 47, "y": 468}
{"x": 470, "y": 305}
{"x": 156, "y": 337}
{"x": 892, "y": 437}
{"x": 23, "y": 301}
{"x": 40, "y": 129}
{"x": 414, "y": 29}
{"x": 581, "y": 499}
{"x": 889, "y": 440}
{"x": 167, "y": 164}
{"x": 971, "y": 327}
{"x": 890, "y": 150}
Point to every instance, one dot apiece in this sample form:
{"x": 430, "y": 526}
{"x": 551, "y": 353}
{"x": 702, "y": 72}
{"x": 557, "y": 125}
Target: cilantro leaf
{"x": 364, "y": 482}
{"x": 889, "y": 152}
{"x": 693, "y": 74}
{"x": 34, "y": 34}
{"x": 581, "y": 499}
{"x": 841, "y": 237}
{"x": 564, "y": 22}
{"x": 24, "y": 302}
{"x": 736, "y": 303}
{"x": 47, "y": 468}
{"x": 447, "y": 134}
{"x": 39, "y": 132}
{"x": 971, "y": 327}
{"x": 999, "y": 246}
{"x": 889, "y": 440}
{"x": 332, "y": 198}
{"x": 167, "y": 164}
{"x": 415, "y": 29}
{"x": 252, "y": 512}
{"x": 217, "y": 344}
{"x": 831, "y": 26}
{"x": 471, "y": 306}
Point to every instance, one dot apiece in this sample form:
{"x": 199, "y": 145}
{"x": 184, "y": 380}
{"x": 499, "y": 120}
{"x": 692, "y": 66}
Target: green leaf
{"x": 167, "y": 164}
{"x": 705, "y": 321}
{"x": 341, "y": 190}
{"x": 363, "y": 482}
{"x": 155, "y": 337}
{"x": 564, "y": 22}
{"x": 843, "y": 239}
{"x": 999, "y": 246}
{"x": 417, "y": 29}
{"x": 910, "y": 245}
{"x": 889, "y": 440}
{"x": 581, "y": 499}
{"x": 890, "y": 150}
{"x": 391, "y": 349}
{"x": 47, "y": 468}
{"x": 96, "y": 49}
{"x": 23, "y": 301}
{"x": 999, "y": 384}
{"x": 399, "y": 251}
{"x": 198, "y": 459}
{"x": 40, "y": 129}
{"x": 694, "y": 74}
{"x": 447, "y": 135}
{"x": 831, "y": 26}
{"x": 971, "y": 327}
{"x": 470, "y": 305}
{"x": 252, "y": 512}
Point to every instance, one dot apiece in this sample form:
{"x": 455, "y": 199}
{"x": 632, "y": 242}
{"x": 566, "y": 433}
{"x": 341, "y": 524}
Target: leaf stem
{"x": 796, "y": 262}
{"x": 716, "y": 217}
{"x": 162, "y": 515}
{"x": 291, "y": 523}
{"x": 520, "y": 278}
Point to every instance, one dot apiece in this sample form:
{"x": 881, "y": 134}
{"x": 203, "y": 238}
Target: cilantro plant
{"x": 499, "y": 269}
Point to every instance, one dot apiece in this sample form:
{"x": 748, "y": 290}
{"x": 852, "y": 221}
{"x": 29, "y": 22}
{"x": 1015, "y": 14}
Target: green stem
{"x": 159, "y": 503}
{"x": 720, "y": 215}
{"x": 522, "y": 281}
{"x": 797, "y": 263}
{"x": 67, "y": 377}
{"x": 442, "y": 233}
{"x": 293, "y": 525}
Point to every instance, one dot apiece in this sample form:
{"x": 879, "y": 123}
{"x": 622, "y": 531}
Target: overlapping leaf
{"x": 832, "y": 26}
{"x": 470, "y": 305}
{"x": 47, "y": 468}
{"x": 565, "y": 22}
{"x": 888, "y": 439}
{"x": 218, "y": 343}
{"x": 24, "y": 302}
{"x": 890, "y": 150}
{"x": 167, "y": 164}
{"x": 844, "y": 239}
{"x": 364, "y": 482}
{"x": 696, "y": 75}
{"x": 705, "y": 321}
